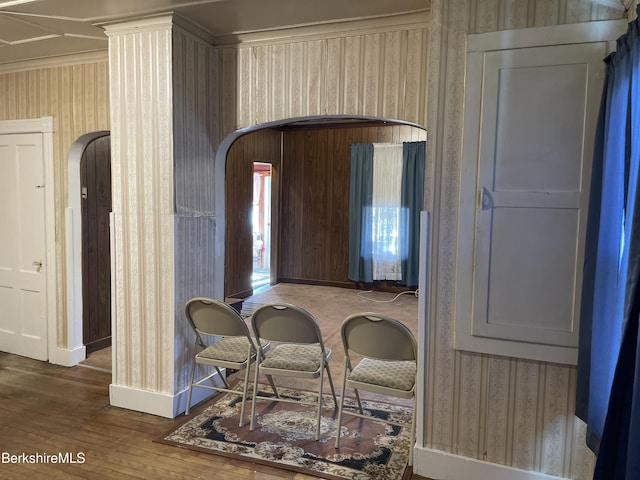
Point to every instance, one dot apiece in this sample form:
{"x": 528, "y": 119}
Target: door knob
{"x": 38, "y": 265}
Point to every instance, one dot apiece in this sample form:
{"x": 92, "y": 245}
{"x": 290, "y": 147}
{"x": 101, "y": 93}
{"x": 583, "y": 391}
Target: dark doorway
{"x": 95, "y": 184}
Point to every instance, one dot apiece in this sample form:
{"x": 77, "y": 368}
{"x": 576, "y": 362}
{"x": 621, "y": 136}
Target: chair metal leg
{"x": 333, "y": 390}
{"x": 193, "y": 371}
{"x": 319, "y": 416}
{"x": 244, "y": 394}
{"x": 255, "y": 393}
{"x": 359, "y": 402}
{"x": 273, "y": 386}
{"x": 223, "y": 377}
{"x": 344, "y": 388}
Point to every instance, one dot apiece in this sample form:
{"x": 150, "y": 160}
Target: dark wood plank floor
{"x": 47, "y": 409}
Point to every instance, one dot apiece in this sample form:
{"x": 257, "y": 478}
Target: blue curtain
{"x": 360, "y": 218}
{"x": 413, "y": 154}
{"x": 608, "y": 395}
{"x": 360, "y": 222}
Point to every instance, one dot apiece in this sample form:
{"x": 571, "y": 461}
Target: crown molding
{"x": 351, "y": 27}
{"x": 97, "y": 56}
{"x": 151, "y": 22}
{"x": 163, "y": 21}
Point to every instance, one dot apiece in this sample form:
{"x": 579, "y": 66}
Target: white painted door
{"x": 23, "y": 322}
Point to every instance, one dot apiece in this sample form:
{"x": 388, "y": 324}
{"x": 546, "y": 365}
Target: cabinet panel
{"x": 530, "y": 115}
{"x": 530, "y": 272}
{"x": 539, "y": 143}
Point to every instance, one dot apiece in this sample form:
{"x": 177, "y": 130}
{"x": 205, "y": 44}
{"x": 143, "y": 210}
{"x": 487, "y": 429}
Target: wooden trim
{"x": 304, "y": 281}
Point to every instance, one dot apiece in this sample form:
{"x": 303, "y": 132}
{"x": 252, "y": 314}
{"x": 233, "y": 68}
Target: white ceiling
{"x": 34, "y": 29}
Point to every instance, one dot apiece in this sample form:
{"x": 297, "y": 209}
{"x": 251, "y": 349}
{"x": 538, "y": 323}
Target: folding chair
{"x": 211, "y": 319}
{"x": 388, "y": 363}
{"x": 299, "y": 352}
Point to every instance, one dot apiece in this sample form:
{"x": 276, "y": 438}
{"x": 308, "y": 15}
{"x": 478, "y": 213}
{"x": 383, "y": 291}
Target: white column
{"x": 140, "y": 75}
{"x": 164, "y": 133}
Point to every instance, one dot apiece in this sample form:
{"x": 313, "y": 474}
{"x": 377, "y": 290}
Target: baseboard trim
{"x": 156, "y": 403}
{"x": 69, "y": 358}
{"x": 439, "y": 465}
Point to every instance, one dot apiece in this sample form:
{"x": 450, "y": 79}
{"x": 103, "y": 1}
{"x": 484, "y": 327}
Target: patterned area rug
{"x": 284, "y": 437}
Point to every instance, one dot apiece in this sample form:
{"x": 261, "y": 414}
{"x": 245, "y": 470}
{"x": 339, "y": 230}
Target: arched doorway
{"x": 73, "y": 227}
{"x": 310, "y": 157}
{"x": 95, "y": 194}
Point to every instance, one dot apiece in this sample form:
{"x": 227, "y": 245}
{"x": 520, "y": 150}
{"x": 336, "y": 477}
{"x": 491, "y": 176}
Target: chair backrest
{"x": 377, "y": 336}
{"x": 283, "y": 322}
{"x": 213, "y": 317}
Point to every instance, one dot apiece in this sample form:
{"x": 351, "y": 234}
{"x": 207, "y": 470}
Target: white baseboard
{"x": 155, "y": 403}
{"x": 69, "y": 358}
{"x": 439, "y": 465}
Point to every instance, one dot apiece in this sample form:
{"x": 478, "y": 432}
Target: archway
{"x": 73, "y": 235}
{"x": 343, "y": 122}
{"x": 95, "y": 173}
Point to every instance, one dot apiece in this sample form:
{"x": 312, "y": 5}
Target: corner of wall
{"x": 68, "y": 357}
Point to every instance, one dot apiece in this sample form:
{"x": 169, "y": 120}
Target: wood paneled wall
{"x": 260, "y": 146}
{"x": 314, "y": 221}
{"x": 310, "y": 200}
{"x": 95, "y": 178}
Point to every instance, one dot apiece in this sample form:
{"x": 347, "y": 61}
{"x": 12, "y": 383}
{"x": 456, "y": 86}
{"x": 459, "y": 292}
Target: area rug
{"x": 284, "y": 436}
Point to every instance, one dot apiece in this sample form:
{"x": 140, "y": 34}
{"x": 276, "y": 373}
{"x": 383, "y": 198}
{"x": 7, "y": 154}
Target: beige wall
{"x": 77, "y": 97}
{"x": 165, "y": 209}
{"x": 360, "y": 68}
{"x": 503, "y": 410}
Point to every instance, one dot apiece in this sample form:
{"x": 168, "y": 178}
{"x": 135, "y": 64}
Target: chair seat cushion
{"x": 400, "y": 375}
{"x": 295, "y": 357}
{"x": 228, "y": 349}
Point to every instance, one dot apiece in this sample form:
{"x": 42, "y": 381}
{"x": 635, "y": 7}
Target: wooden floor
{"x": 50, "y": 410}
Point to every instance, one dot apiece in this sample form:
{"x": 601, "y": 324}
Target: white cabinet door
{"x": 530, "y": 116}
{"x": 23, "y": 321}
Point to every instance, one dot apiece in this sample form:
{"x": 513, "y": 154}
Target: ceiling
{"x": 35, "y": 29}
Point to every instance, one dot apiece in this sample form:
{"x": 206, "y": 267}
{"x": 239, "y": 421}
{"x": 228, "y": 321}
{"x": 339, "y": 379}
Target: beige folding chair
{"x": 212, "y": 319}
{"x": 297, "y": 350}
{"x": 388, "y": 364}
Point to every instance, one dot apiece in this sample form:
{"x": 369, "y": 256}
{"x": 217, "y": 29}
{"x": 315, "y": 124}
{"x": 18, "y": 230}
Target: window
{"x": 385, "y": 201}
